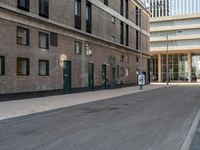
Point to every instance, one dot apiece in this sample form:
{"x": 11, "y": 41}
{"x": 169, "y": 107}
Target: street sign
{"x": 141, "y": 79}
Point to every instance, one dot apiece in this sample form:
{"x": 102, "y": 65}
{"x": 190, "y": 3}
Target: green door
{"x": 104, "y": 74}
{"x": 91, "y": 76}
{"x": 67, "y": 77}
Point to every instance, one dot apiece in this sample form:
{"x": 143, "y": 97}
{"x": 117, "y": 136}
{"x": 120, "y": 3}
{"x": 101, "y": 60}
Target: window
{"x": 118, "y": 72}
{"x": 122, "y": 7}
{"x": 43, "y": 40}
{"x": 137, "y": 16}
{"x": 23, "y": 4}
{"x": 137, "y": 59}
{"x": 53, "y": 39}
{"x": 127, "y": 58}
{"x": 78, "y": 48}
{"x": 44, "y": 8}
{"x": 88, "y": 17}
{"x": 113, "y": 38}
{"x": 127, "y": 72}
{"x": 2, "y": 65}
{"x": 122, "y": 72}
{"x": 43, "y": 67}
{"x": 22, "y": 66}
{"x": 106, "y": 2}
{"x": 113, "y": 20}
{"x": 127, "y": 9}
{"x": 122, "y": 33}
{"x": 127, "y": 35}
{"x": 122, "y": 58}
{"x": 88, "y": 50}
{"x": 137, "y": 40}
{"x": 22, "y": 36}
{"x": 78, "y": 14}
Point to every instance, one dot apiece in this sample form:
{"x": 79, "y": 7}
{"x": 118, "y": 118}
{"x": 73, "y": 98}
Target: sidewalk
{"x": 30, "y": 106}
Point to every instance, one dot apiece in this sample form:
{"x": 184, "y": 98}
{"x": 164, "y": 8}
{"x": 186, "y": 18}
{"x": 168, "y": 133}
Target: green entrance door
{"x": 104, "y": 74}
{"x": 67, "y": 77}
{"x": 91, "y": 76}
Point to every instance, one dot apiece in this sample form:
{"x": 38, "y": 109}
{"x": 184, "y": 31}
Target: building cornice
{"x": 175, "y": 18}
{"x": 174, "y": 28}
{"x": 18, "y": 16}
{"x": 175, "y": 48}
{"x": 174, "y": 38}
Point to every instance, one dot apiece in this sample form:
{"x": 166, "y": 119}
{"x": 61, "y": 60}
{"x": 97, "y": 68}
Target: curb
{"x": 190, "y": 135}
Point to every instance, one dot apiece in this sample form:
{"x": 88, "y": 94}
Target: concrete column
{"x": 159, "y": 68}
{"x": 189, "y": 67}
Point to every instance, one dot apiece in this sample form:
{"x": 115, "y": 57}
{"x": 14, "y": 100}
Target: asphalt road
{"x": 153, "y": 120}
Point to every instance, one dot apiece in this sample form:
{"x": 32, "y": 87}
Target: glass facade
{"x": 178, "y": 68}
{"x": 154, "y": 68}
{"x": 196, "y": 67}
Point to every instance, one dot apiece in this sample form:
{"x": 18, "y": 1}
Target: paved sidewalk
{"x": 30, "y": 106}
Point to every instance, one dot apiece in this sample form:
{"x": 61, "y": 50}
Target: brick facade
{"x": 61, "y": 21}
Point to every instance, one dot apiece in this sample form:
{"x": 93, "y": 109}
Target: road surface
{"x": 151, "y": 120}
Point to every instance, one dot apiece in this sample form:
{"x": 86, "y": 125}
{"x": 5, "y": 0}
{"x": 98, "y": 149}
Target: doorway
{"x": 104, "y": 78}
{"x": 91, "y": 76}
{"x": 67, "y": 77}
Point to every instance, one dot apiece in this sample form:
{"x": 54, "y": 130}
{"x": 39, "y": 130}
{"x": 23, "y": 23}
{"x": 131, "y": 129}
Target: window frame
{"x": 80, "y": 48}
{"x": 54, "y": 36}
{"x": 26, "y": 8}
{"x": 106, "y": 2}
{"x": 47, "y": 67}
{"x": 27, "y": 66}
{"x": 77, "y": 16}
{"x": 47, "y": 42}
{"x": 2, "y": 71}
{"x": 27, "y": 36}
{"x": 40, "y": 9}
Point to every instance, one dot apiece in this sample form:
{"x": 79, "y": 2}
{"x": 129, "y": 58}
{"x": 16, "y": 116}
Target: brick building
{"x": 70, "y": 44}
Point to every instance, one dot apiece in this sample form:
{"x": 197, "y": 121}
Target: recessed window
{"x": 113, "y": 20}
{"x": 43, "y": 40}
{"x": 78, "y": 48}
{"x": 44, "y": 8}
{"x": 127, "y": 72}
{"x": 22, "y": 36}
{"x": 122, "y": 33}
{"x": 53, "y": 39}
{"x": 88, "y": 50}
{"x": 2, "y": 65}
{"x": 77, "y": 14}
{"x": 122, "y": 58}
{"x": 122, "y": 72}
{"x": 106, "y": 2}
{"x": 137, "y": 40}
{"x": 88, "y": 17}
{"x": 137, "y": 59}
{"x": 127, "y": 58}
{"x": 113, "y": 38}
{"x": 23, "y": 4}
{"x": 22, "y": 66}
{"x": 127, "y": 35}
{"x": 43, "y": 67}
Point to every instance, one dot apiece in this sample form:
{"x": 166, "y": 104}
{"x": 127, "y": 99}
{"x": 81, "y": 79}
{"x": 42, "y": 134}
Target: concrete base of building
{"x": 37, "y": 94}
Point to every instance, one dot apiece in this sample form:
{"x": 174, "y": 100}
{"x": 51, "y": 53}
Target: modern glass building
{"x": 173, "y": 7}
{"x": 180, "y": 35}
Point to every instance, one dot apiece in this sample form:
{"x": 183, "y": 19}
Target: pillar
{"x": 159, "y": 68}
{"x": 189, "y": 67}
